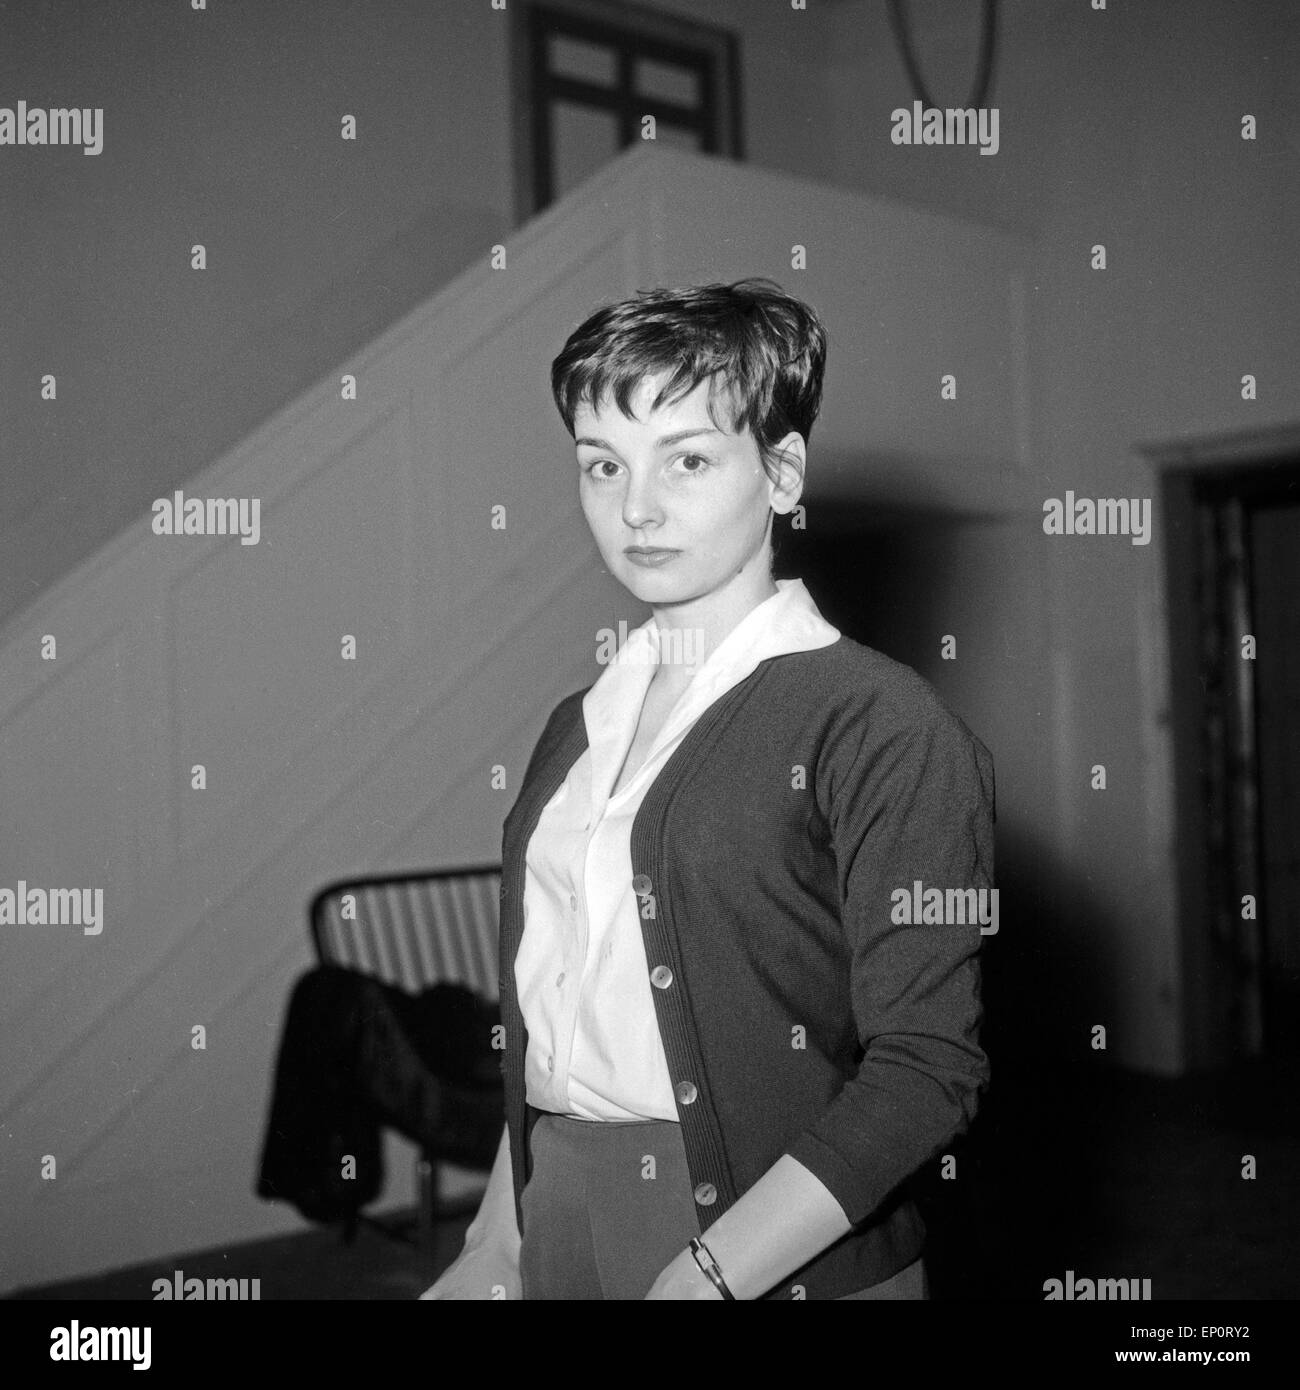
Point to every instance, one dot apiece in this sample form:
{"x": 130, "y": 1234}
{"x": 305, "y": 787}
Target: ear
{"x": 791, "y": 461}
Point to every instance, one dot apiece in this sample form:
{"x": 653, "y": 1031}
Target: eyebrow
{"x": 663, "y": 442}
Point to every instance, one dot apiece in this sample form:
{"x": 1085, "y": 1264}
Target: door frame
{"x": 1219, "y": 953}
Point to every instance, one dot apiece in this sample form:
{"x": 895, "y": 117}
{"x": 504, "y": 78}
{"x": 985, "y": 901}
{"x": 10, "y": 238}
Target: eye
{"x": 593, "y": 470}
{"x": 698, "y": 459}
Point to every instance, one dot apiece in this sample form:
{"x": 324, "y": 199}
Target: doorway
{"x": 1232, "y": 512}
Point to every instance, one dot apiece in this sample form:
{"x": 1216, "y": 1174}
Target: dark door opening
{"x": 1234, "y": 586}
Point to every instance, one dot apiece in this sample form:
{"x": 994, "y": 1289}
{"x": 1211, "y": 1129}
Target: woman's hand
{"x": 486, "y": 1271}
{"x": 683, "y": 1278}
{"x": 488, "y": 1266}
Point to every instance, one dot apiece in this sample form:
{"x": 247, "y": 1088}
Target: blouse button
{"x": 641, "y": 885}
{"x": 686, "y": 1092}
{"x": 661, "y": 977}
{"x": 706, "y": 1194}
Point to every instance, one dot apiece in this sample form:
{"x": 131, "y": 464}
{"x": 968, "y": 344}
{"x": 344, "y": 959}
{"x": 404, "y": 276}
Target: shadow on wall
{"x": 1037, "y": 1201}
{"x": 1029, "y": 1200}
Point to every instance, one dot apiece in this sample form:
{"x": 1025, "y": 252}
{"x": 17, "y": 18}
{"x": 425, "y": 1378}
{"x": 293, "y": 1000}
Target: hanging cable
{"x": 988, "y": 42}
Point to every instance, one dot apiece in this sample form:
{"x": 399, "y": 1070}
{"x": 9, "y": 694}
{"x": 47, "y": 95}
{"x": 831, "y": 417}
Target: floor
{"x": 316, "y": 1264}
{"x": 1111, "y": 1175}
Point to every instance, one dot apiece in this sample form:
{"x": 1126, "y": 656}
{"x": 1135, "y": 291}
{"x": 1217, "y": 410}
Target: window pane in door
{"x": 590, "y": 62}
{"x": 668, "y": 82}
{"x": 583, "y": 139}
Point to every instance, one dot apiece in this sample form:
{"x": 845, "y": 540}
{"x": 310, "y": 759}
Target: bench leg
{"x": 426, "y": 1186}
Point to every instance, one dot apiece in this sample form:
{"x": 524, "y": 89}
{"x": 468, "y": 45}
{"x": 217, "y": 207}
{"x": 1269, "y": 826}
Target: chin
{"x": 647, "y": 582}
{"x": 652, "y": 587}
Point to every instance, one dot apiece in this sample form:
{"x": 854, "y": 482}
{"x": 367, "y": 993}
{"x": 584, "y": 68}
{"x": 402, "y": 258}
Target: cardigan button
{"x": 706, "y": 1194}
{"x": 686, "y": 1092}
{"x": 661, "y": 977}
{"x": 641, "y": 885}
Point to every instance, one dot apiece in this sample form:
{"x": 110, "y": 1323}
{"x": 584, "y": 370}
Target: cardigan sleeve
{"x": 912, "y": 803}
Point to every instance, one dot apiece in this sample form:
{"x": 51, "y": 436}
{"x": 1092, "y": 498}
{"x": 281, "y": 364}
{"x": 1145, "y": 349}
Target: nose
{"x": 641, "y": 505}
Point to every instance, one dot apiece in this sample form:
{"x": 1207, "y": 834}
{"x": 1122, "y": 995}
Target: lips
{"x": 649, "y": 556}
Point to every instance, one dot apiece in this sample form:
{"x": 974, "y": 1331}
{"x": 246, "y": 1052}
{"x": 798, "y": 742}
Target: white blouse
{"x": 593, "y": 1040}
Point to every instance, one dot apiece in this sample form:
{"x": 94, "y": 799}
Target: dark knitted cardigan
{"x": 800, "y": 1018}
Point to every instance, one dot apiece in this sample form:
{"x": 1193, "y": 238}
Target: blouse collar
{"x": 785, "y": 622}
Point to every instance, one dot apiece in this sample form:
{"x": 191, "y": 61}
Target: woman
{"x": 723, "y": 1051}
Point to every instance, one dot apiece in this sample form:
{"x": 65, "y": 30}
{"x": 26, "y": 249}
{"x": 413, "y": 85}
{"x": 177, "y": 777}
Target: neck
{"x": 709, "y": 619}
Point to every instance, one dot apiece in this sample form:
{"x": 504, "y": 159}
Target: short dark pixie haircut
{"x": 764, "y": 351}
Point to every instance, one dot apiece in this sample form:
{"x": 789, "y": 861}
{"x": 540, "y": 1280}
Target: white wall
{"x": 222, "y": 128}
{"x": 1120, "y": 127}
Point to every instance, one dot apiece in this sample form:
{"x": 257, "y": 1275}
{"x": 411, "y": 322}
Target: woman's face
{"x": 677, "y": 504}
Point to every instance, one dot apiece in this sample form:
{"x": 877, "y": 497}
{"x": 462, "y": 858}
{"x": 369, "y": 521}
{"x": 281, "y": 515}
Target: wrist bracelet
{"x": 704, "y": 1258}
